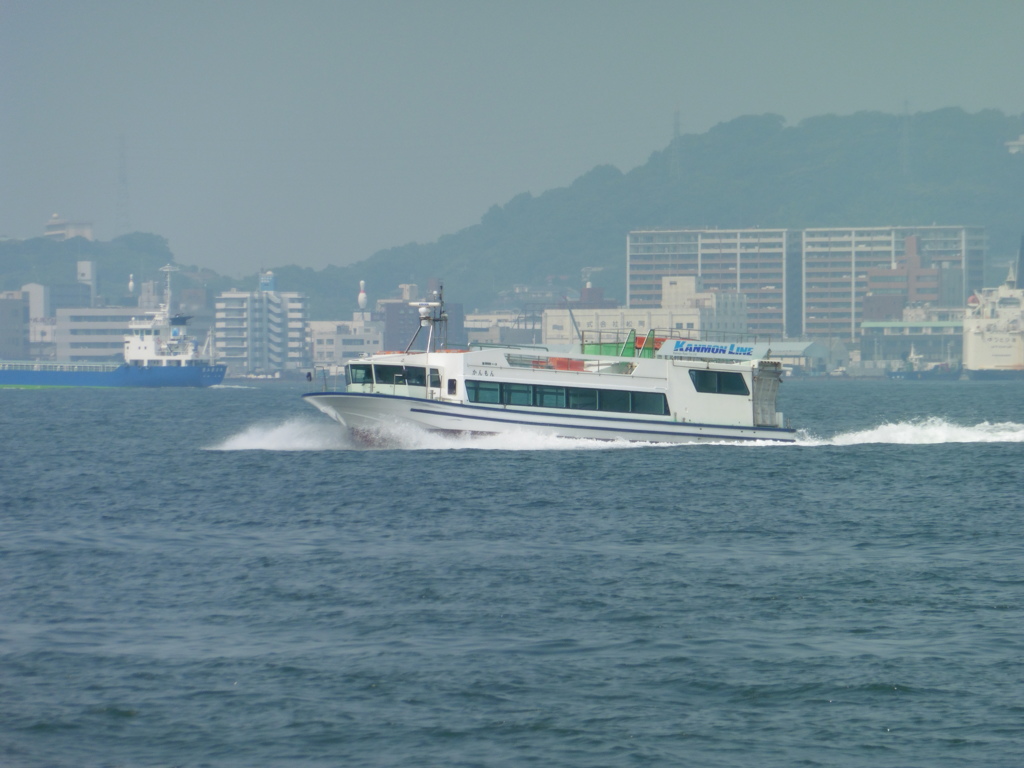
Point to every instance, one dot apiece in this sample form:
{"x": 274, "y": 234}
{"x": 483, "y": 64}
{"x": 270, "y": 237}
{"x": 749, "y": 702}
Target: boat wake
{"x": 301, "y": 434}
{"x": 930, "y": 431}
{"x": 293, "y": 435}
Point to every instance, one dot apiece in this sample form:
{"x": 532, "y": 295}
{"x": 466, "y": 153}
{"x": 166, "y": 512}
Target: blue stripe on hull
{"x": 617, "y": 424}
{"x": 678, "y": 430}
{"x": 122, "y": 376}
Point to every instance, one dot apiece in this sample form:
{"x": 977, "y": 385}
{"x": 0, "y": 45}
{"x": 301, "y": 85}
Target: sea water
{"x": 220, "y": 578}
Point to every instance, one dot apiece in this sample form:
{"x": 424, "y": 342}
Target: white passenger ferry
{"x": 618, "y": 386}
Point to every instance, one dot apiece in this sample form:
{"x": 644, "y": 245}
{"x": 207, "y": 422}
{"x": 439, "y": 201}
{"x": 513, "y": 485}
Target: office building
{"x": 806, "y": 283}
{"x": 837, "y": 263}
{"x": 335, "y": 342}
{"x": 14, "y": 325}
{"x": 762, "y": 264}
{"x": 685, "y": 309}
{"x": 261, "y": 332}
{"x": 88, "y": 334}
{"x": 62, "y": 229}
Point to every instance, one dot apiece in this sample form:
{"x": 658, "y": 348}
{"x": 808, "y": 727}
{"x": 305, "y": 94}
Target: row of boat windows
{"x": 578, "y": 398}
{"x": 410, "y": 375}
{"x": 545, "y": 396}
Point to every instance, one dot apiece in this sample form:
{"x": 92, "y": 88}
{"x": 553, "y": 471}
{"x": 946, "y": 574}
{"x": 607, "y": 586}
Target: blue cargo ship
{"x": 52, "y": 374}
{"x": 158, "y": 352}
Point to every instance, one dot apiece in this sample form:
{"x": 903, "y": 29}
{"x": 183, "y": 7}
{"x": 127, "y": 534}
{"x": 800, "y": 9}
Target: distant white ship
{"x": 994, "y": 328}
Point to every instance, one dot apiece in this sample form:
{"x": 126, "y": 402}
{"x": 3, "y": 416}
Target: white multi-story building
{"x": 62, "y": 229}
{"x": 261, "y": 332}
{"x": 335, "y": 342}
{"x": 683, "y": 308}
{"x": 93, "y": 334}
{"x": 758, "y": 263}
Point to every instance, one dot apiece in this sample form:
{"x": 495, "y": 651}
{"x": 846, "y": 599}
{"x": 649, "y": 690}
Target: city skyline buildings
{"x": 800, "y": 283}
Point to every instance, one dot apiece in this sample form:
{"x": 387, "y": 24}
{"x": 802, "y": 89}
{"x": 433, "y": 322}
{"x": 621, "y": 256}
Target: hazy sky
{"x": 269, "y": 133}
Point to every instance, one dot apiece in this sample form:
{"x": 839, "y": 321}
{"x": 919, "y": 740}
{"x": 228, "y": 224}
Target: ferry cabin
{"x": 737, "y": 394}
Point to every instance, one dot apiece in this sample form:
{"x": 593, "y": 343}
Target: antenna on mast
{"x": 168, "y": 269}
{"x": 124, "y": 219}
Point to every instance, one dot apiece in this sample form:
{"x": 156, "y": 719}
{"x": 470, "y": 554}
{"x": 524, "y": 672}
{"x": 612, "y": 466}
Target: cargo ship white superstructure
{"x": 994, "y": 329}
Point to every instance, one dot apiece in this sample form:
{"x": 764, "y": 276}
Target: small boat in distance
{"x": 916, "y": 369}
{"x": 158, "y": 352}
{"x": 614, "y": 385}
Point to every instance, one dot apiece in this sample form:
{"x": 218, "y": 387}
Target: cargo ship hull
{"x": 37, "y": 374}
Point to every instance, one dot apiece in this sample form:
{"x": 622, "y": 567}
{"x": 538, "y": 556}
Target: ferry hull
{"x": 367, "y": 416}
{"x": 119, "y": 376}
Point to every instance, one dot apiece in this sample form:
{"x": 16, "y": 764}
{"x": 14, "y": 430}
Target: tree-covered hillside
{"x": 867, "y": 169}
{"x": 138, "y": 255}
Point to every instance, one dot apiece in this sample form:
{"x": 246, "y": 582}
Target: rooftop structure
{"x": 62, "y": 229}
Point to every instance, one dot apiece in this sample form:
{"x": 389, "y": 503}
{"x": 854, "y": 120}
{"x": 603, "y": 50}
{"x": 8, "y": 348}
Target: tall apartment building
{"x": 801, "y": 283}
{"x": 261, "y": 332}
{"x": 837, "y": 263}
{"x": 14, "y": 325}
{"x": 763, "y": 264}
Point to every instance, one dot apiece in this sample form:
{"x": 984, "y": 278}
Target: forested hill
{"x": 867, "y": 169}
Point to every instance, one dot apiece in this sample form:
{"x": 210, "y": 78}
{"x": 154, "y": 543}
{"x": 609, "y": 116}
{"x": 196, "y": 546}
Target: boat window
{"x": 415, "y": 376}
{"x": 719, "y": 382}
{"x": 517, "y": 394}
{"x": 613, "y": 400}
{"x": 576, "y": 398}
{"x": 649, "y": 402}
{"x": 549, "y": 397}
{"x": 453, "y": 387}
{"x": 389, "y": 374}
{"x": 435, "y": 378}
{"x": 582, "y": 399}
{"x": 358, "y": 374}
{"x": 483, "y": 391}
{"x": 732, "y": 384}
{"x": 705, "y": 381}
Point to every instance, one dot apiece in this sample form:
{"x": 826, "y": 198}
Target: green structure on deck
{"x": 627, "y": 348}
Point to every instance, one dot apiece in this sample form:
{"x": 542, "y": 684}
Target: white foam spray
{"x": 413, "y": 438}
{"x": 301, "y": 434}
{"x": 929, "y": 431}
{"x": 298, "y": 434}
